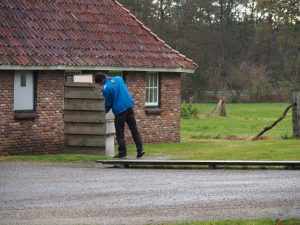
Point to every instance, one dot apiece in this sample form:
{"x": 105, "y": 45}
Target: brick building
{"x": 43, "y": 41}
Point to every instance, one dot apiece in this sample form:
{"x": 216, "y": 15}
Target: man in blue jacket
{"x": 118, "y": 98}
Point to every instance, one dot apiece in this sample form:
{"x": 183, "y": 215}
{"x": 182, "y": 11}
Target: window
{"x": 69, "y": 74}
{"x": 152, "y": 89}
{"x": 24, "y": 91}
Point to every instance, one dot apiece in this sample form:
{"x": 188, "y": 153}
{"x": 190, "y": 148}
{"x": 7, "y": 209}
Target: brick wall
{"x": 45, "y": 133}
{"x": 42, "y": 134}
{"x": 156, "y": 128}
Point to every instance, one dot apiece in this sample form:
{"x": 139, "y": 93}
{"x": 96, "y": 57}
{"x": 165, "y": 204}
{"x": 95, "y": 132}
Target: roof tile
{"x": 80, "y": 33}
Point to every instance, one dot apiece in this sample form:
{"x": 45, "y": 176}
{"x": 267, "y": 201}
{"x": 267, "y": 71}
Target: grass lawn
{"x": 227, "y": 138}
{"x": 210, "y": 137}
{"x": 242, "y": 121}
{"x": 243, "y": 222}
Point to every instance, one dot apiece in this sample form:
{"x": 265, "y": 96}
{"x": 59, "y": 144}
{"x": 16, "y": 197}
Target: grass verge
{"x": 54, "y": 158}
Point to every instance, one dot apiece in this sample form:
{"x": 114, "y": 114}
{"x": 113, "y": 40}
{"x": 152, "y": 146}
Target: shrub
{"x": 188, "y": 111}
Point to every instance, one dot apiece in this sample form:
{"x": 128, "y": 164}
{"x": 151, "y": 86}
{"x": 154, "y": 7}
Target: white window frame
{"x": 24, "y": 95}
{"x": 152, "y": 90}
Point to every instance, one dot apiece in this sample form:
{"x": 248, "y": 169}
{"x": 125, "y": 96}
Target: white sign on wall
{"x": 84, "y": 78}
{"x": 23, "y": 90}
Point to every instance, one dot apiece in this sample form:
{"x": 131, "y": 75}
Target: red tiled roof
{"x": 93, "y": 33}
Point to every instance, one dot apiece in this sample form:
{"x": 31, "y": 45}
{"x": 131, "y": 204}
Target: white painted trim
{"x": 151, "y": 104}
{"x": 62, "y": 67}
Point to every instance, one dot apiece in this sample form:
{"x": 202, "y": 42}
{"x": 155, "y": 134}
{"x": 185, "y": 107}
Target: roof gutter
{"x": 111, "y": 68}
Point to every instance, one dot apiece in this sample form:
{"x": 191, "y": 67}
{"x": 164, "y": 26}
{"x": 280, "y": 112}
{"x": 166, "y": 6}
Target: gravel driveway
{"x": 36, "y": 193}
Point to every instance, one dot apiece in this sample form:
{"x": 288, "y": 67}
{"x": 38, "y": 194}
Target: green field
{"x": 242, "y": 121}
{"x": 210, "y": 137}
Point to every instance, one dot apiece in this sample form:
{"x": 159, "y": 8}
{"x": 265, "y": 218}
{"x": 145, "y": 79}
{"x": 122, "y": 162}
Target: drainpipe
{"x": 110, "y": 134}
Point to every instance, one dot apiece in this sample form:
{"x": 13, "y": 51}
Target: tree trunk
{"x": 296, "y": 113}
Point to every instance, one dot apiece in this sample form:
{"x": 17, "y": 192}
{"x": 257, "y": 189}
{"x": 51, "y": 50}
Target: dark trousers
{"x": 129, "y": 118}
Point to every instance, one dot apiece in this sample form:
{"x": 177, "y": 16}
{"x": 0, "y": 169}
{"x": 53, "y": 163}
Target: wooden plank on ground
{"x": 211, "y": 163}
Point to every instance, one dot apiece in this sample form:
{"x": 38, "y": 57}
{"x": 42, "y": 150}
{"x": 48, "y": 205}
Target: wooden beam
{"x": 84, "y": 105}
{"x": 82, "y": 92}
{"x": 85, "y": 128}
{"x": 210, "y": 163}
{"x": 84, "y": 116}
{"x": 85, "y": 140}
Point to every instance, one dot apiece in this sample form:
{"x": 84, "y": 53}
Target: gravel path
{"x": 36, "y": 193}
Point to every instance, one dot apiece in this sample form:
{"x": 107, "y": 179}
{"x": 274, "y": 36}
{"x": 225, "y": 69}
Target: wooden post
{"x": 296, "y": 113}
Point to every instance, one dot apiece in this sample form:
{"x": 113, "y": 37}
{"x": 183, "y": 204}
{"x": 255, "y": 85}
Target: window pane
{"x": 155, "y": 81}
{"x": 155, "y": 94}
{"x": 152, "y": 80}
{"x": 147, "y": 95}
{"x": 151, "y": 95}
{"x": 147, "y": 80}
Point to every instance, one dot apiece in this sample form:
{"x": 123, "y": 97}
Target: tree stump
{"x": 220, "y": 108}
{"x": 296, "y": 113}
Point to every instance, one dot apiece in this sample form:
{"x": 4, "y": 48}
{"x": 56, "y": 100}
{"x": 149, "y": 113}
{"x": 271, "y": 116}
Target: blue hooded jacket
{"x": 117, "y": 96}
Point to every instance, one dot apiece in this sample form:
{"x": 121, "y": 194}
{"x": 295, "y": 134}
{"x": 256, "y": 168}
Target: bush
{"x": 188, "y": 111}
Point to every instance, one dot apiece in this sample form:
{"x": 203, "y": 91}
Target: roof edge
{"x": 64, "y": 67}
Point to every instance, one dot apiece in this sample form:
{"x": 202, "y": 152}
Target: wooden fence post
{"x": 296, "y": 113}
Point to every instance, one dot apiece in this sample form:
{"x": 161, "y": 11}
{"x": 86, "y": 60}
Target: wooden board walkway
{"x": 209, "y": 163}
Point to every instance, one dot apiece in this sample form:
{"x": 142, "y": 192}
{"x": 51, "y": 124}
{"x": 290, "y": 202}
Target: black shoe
{"x": 120, "y": 156}
{"x": 140, "y": 154}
